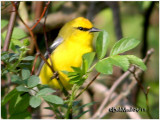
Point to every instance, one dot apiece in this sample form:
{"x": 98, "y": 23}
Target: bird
{"x": 74, "y": 39}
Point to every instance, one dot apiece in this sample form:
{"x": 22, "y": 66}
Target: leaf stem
{"x": 54, "y": 110}
{"x": 75, "y": 88}
{"x": 88, "y": 85}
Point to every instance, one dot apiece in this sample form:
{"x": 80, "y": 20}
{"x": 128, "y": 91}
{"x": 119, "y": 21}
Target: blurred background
{"x": 139, "y": 20}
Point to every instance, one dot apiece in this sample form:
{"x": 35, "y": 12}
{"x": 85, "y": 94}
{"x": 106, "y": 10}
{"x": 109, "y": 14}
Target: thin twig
{"x": 138, "y": 81}
{"x": 45, "y": 37}
{"x": 10, "y": 28}
{"x": 132, "y": 115}
{"x": 111, "y": 90}
{"x": 34, "y": 63}
{"x": 144, "y": 91}
{"x": 88, "y": 85}
{"x": 117, "y": 99}
{"x": 45, "y": 8}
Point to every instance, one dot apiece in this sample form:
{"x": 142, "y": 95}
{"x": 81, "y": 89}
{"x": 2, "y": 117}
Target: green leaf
{"x": 24, "y": 65}
{"x": 26, "y": 42}
{"x": 72, "y": 74}
{"x": 4, "y": 52}
{"x": 28, "y": 58}
{"x": 4, "y": 57}
{"x": 65, "y": 72}
{"x": 25, "y": 74}
{"x": 136, "y": 61}
{"x": 102, "y": 44}
{"x": 16, "y": 42}
{"x": 53, "y": 99}
{"x": 13, "y": 58}
{"x": 75, "y": 103}
{"x": 104, "y": 66}
{"x": 35, "y": 101}
{"x": 9, "y": 96}
{"x": 19, "y": 103}
{"x": 15, "y": 78}
{"x": 76, "y": 69}
{"x": 4, "y": 112}
{"x": 18, "y": 33}
{"x": 22, "y": 115}
{"x": 4, "y": 72}
{"x": 78, "y": 116}
{"x": 3, "y": 23}
{"x": 87, "y": 61}
{"x": 75, "y": 80}
{"x": 120, "y": 61}
{"x": 85, "y": 66}
{"x": 45, "y": 91}
{"x": 48, "y": 108}
{"x": 89, "y": 57}
{"x": 33, "y": 81}
{"x": 22, "y": 88}
{"x": 88, "y": 104}
{"x": 124, "y": 45}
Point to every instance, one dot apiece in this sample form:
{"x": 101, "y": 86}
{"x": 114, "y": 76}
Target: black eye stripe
{"x": 83, "y": 29}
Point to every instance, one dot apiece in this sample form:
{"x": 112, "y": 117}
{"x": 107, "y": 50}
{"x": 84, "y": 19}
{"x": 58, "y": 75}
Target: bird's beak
{"x": 94, "y": 30}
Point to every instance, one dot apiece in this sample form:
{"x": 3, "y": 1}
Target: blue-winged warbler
{"x": 74, "y": 40}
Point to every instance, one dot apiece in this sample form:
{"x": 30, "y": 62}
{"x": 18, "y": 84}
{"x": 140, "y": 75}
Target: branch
{"x": 33, "y": 38}
{"x": 10, "y": 28}
{"x": 146, "y": 28}
{"x": 111, "y": 90}
{"x": 116, "y": 83}
{"x": 117, "y": 99}
{"x": 132, "y": 115}
{"x": 45, "y": 8}
{"x": 104, "y": 92}
{"x": 34, "y": 63}
{"x": 88, "y": 85}
{"x": 45, "y": 37}
{"x": 114, "y": 5}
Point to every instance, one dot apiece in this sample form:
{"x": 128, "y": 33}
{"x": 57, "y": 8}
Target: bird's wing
{"x": 55, "y": 44}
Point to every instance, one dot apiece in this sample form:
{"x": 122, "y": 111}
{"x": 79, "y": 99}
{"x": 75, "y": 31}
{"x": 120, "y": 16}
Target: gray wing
{"x": 55, "y": 44}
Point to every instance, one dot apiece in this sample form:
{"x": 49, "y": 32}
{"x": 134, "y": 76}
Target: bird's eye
{"x": 80, "y": 28}
{"x": 83, "y": 29}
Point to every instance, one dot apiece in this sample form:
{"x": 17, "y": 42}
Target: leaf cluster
{"x": 28, "y": 93}
{"x": 105, "y": 64}
{"x": 17, "y": 35}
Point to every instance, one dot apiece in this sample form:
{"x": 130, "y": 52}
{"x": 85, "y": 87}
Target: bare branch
{"x": 10, "y": 28}
{"x": 114, "y": 86}
{"x": 117, "y": 99}
{"x": 132, "y": 115}
{"x": 45, "y": 8}
{"x": 34, "y": 63}
{"x": 88, "y": 85}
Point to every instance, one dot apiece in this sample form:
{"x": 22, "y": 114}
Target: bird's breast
{"x": 69, "y": 54}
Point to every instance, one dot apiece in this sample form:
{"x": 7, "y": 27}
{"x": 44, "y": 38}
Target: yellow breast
{"x": 67, "y": 54}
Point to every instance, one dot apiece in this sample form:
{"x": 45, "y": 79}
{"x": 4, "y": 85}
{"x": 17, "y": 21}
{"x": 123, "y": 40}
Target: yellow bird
{"x": 74, "y": 40}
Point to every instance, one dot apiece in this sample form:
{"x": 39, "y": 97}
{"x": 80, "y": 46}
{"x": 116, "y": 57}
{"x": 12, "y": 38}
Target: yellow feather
{"x": 69, "y": 53}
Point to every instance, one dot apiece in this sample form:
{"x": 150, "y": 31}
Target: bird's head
{"x": 78, "y": 27}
